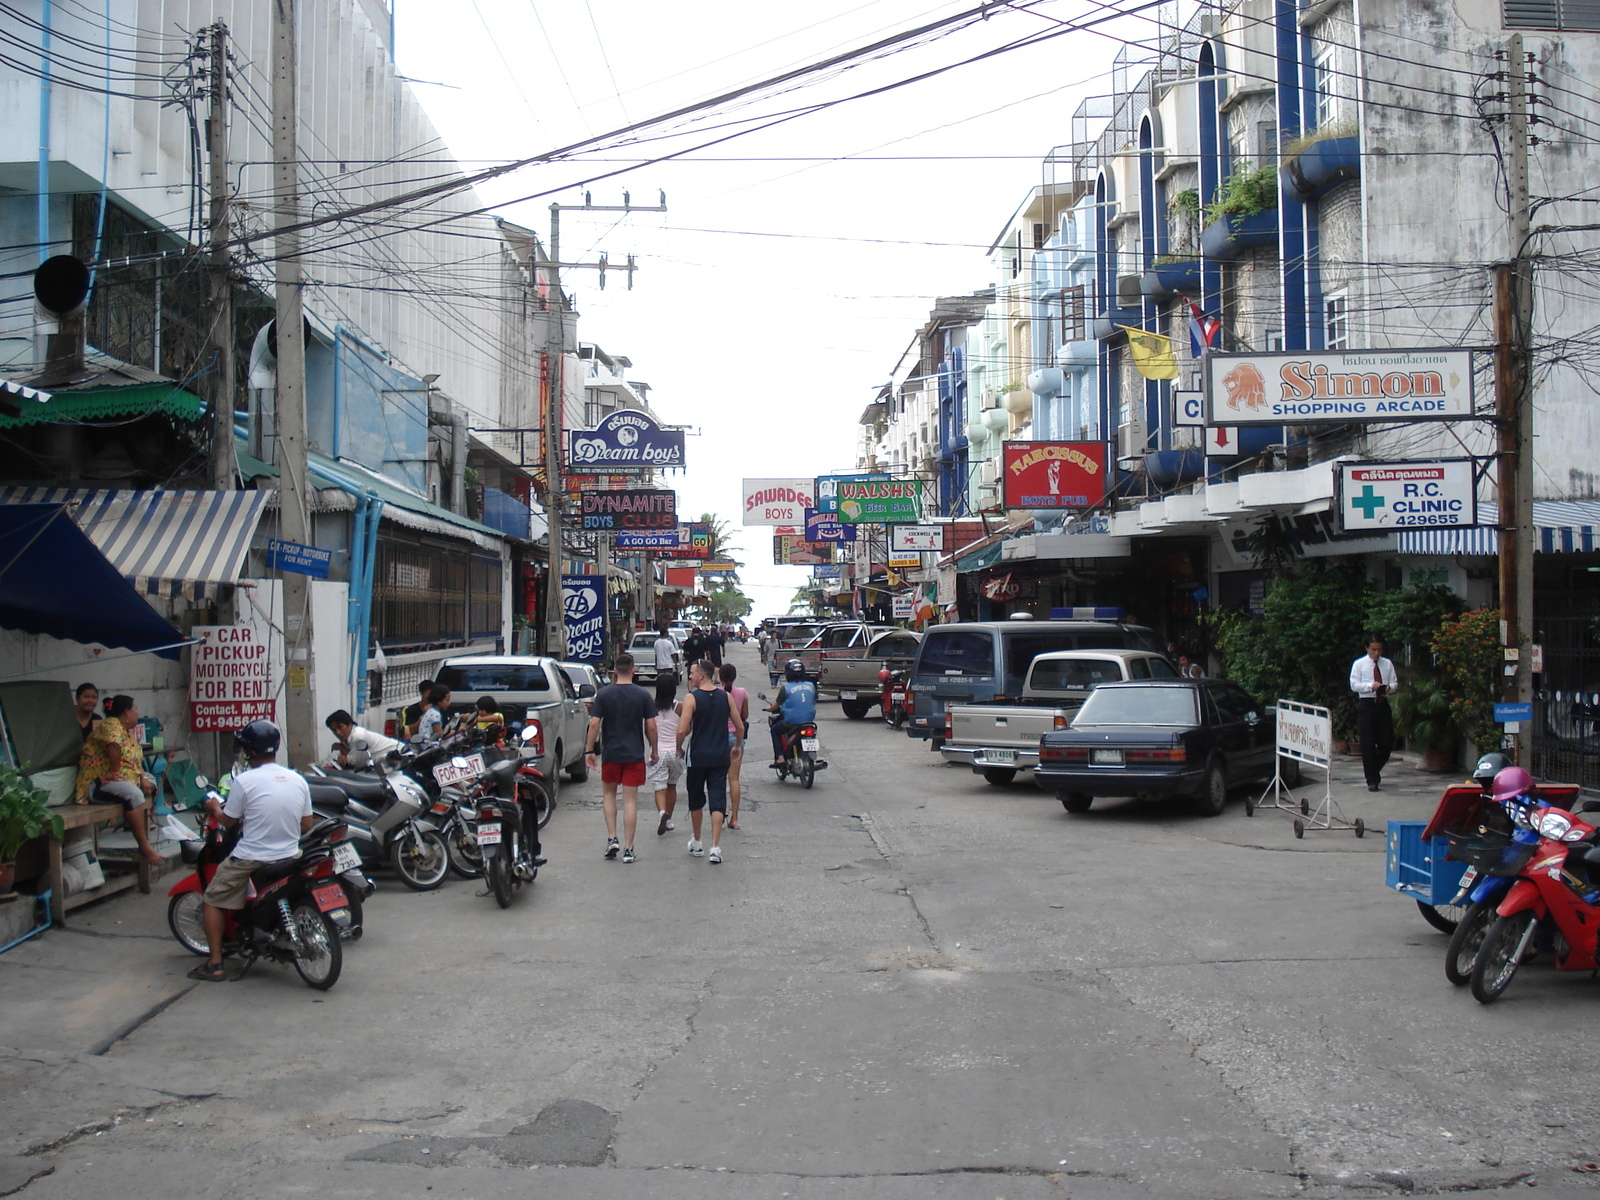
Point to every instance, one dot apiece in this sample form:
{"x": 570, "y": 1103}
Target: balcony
{"x": 1231, "y": 236}
{"x": 1322, "y": 166}
{"x": 1104, "y": 325}
{"x": 1169, "y": 279}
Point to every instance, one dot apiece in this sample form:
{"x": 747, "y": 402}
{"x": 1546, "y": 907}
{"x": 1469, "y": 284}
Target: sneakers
{"x": 627, "y": 854}
{"x": 695, "y": 848}
{"x": 612, "y": 846}
{"x": 715, "y": 856}
{"x": 665, "y": 824}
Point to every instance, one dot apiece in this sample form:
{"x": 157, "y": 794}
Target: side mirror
{"x": 585, "y": 691}
{"x": 529, "y": 734}
{"x": 201, "y": 782}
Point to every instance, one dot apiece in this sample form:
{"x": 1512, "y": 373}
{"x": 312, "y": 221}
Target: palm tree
{"x": 722, "y": 546}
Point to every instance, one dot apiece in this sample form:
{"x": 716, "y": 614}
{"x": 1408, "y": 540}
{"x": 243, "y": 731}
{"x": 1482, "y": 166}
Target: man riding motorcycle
{"x": 796, "y": 705}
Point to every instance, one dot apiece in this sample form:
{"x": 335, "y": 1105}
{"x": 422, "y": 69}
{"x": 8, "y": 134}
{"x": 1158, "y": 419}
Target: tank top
{"x": 738, "y": 702}
{"x": 708, "y": 738}
{"x": 666, "y": 731}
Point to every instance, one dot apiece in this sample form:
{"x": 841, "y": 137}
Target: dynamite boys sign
{"x": 636, "y": 509}
{"x": 625, "y": 441}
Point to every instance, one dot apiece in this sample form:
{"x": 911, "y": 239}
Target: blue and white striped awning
{"x": 171, "y": 544}
{"x": 1562, "y": 526}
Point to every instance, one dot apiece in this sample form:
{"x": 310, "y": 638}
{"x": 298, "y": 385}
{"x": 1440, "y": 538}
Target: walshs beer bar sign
{"x": 631, "y": 510}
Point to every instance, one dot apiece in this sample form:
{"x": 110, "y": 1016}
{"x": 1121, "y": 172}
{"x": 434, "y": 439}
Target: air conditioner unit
{"x": 1129, "y": 294}
{"x": 1132, "y": 439}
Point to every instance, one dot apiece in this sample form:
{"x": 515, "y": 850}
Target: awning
{"x": 977, "y": 560}
{"x": 88, "y": 404}
{"x": 54, "y": 580}
{"x": 188, "y": 544}
{"x": 1561, "y": 526}
{"x": 407, "y": 508}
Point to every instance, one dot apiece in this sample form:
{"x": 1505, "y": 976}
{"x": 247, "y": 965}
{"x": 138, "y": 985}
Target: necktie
{"x": 1377, "y": 677}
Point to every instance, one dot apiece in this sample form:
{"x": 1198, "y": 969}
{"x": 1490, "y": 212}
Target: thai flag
{"x": 1203, "y": 330}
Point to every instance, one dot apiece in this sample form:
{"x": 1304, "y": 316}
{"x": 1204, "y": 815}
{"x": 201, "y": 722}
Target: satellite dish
{"x": 61, "y": 284}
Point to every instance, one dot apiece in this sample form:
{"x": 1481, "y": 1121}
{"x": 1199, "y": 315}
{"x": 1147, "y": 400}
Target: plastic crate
{"x": 1419, "y": 868}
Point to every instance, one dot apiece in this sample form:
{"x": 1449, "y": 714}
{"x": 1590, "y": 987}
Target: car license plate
{"x": 329, "y": 897}
{"x": 1000, "y": 756}
{"x": 345, "y": 858}
{"x": 447, "y": 772}
{"x": 489, "y": 833}
{"x": 1106, "y": 758}
{"x": 847, "y": 695}
{"x": 897, "y": 697}
{"x": 810, "y": 745}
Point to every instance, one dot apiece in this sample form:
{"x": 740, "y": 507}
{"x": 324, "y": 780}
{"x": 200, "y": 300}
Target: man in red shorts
{"x": 623, "y": 722}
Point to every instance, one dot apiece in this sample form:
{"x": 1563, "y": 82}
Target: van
{"x": 985, "y": 662}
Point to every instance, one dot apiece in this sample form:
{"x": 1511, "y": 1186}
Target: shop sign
{"x": 828, "y": 488}
{"x": 719, "y": 564}
{"x": 583, "y": 600}
{"x": 797, "y": 552}
{"x": 826, "y": 527}
{"x": 632, "y": 509}
{"x": 1305, "y": 387}
{"x": 1003, "y": 588}
{"x": 1408, "y": 495}
{"x": 1054, "y": 474}
{"x": 904, "y": 561}
{"x": 778, "y": 501}
{"x": 302, "y": 560}
{"x": 653, "y": 539}
{"x": 231, "y": 678}
{"x": 916, "y": 538}
{"x": 830, "y": 572}
{"x": 628, "y": 440}
{"x": 879, "y": 501}
{"x": 901, "y": 607}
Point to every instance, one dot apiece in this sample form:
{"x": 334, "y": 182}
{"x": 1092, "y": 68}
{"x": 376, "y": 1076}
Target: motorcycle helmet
{"x": 1488, "y": 767}
{"x": 1511, "y": 783}
{"x": 794, "y": 669}
{"x": 260, "y": 739}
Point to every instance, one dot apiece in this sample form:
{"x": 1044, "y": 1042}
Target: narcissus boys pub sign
{"x": 1054, "y": 474}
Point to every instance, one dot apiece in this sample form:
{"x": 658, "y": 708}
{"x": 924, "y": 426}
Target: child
{"x": 668, "y": 768}
{"x": 489, "y": 713}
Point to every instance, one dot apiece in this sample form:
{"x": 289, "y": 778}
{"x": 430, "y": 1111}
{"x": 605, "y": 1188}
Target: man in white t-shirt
{"x": 666, "y": 652}
{"x": 274, "y": 805}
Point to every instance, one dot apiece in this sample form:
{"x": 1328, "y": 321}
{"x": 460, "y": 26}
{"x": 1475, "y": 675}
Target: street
{"x": 902, "y": 983}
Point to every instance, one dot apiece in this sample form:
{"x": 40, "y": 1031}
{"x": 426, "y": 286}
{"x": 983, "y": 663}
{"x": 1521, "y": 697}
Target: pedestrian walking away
{"x": 666, "y": 652}
{"x": 715, "y": 642}
{"x": 739, "y": 699}
{"x": 694, "y": 646}
{"x": 273, "y": 804}
{"x": 703, "y": 727}
{"x": 1373, "y": 680}
{"x": 667, "y": 771}
{"x": 624, "y": 726}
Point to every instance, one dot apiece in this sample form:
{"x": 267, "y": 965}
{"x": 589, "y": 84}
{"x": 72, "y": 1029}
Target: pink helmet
{"x": 1511, "y": 783}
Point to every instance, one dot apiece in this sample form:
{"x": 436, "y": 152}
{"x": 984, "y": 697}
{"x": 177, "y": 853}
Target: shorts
{"x": 667, "y": 772}
{"x": 625, "y": 774}
{"x": 708, "y": 788}
{"x": 121, "y": 791}
{"x": 228, "y": 886}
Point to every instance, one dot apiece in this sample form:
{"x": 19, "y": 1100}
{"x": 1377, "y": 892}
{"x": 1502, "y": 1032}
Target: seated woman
{"x": 111, "y": 771}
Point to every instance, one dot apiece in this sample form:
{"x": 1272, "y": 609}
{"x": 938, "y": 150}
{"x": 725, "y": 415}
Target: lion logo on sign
{"x": 1246, "y": 387}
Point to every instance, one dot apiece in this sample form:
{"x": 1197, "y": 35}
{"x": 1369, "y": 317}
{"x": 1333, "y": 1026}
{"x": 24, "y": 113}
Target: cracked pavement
{"x": 903, "y": 983}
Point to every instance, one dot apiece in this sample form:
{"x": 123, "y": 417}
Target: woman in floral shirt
{"x": 111, "y": 771}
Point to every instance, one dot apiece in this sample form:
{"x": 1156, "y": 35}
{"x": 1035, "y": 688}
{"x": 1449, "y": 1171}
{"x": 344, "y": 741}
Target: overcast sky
{"x": 769, "y": 347}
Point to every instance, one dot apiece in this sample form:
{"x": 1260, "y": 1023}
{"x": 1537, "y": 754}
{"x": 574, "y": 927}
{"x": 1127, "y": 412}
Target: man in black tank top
{"x": 703, "y": 728}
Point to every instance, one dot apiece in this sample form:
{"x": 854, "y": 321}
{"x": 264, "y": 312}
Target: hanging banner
{"x": 231, "y": 678}
{"x": 1305, "y": 387}
{"x": 627, "y": 440}
{"x": 1409, "y": 495}
{"x": 681, "y": 577}
{"x": 583, "y": 600}
{"x": 879, "y": 501}
{"x": 1055, "y": 474}
{"x": 632, "y": 509}
{"x": 916, "y": 539}
{"x": 903, "y": 606}
{"x": 831, "y": 573}
{"x": 826, "y": 527}
{"x": 777, "y": 501}
{"x": 723, "y": 565}
{"x": 828, "y": 488}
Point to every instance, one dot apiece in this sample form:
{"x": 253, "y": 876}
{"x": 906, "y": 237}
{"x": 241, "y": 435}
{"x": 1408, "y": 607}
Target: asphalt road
{"x": 902, "y": 983}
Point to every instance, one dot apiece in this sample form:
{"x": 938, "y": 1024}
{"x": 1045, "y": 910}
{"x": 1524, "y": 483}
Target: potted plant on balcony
{"x": 1178, "y": 271}
{"x": 24, "y": 815}
{"x": 1244, "y": 213}
{"x": 1319, "y": 161}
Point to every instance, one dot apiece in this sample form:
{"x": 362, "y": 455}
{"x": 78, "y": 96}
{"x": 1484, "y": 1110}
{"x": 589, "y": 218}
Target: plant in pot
{"x": 1423, "y": 717}
{"x": 24, "y": 815}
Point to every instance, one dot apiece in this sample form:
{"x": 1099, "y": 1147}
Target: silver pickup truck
{"x": 998, "y": 740}
{"x": 855, "y": 680}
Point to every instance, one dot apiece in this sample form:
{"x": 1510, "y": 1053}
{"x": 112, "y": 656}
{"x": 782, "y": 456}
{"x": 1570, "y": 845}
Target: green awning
{"x": 251, "y": 467}
{"x": 89, "y": 404}
{"x": 979, "y": 559}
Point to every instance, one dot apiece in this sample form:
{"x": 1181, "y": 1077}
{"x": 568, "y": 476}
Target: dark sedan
{"x": 1191, "y": 738}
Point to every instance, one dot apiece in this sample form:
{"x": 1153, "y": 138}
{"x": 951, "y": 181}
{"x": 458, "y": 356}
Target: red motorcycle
{"x": 894, "y": 699}
{"x": 292, "y": 913}
{"x": 1557, "y": 890}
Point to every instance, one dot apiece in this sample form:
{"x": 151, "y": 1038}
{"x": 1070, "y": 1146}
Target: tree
{"x": 728, "y": 603}
{"x": 722, "y": 545}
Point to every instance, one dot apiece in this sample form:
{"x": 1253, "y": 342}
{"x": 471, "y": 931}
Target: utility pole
{"x": 223, "y": 459}
{"x": 555, "y": 357}
{"x": 1513, "y": 324}
{"x": 294, "y": 512}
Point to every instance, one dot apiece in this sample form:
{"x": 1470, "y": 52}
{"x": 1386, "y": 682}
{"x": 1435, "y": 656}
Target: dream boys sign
{"x": 633, "y": 510}
{"x": 1307, "y": 387}
{"x": 625, "y": 441}
{"x": 583, "y": 604}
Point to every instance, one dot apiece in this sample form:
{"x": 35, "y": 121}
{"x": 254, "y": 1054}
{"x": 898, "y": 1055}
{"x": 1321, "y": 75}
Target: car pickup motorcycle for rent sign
{"x": 233, "y": 678}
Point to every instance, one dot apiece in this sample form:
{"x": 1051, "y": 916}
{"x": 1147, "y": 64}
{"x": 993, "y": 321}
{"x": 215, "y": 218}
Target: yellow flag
{"x": 1152, "y": 353}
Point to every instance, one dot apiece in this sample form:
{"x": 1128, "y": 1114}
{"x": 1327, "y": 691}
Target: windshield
{"x": 644, "y": 641}
{"x": 958, "y": 652}
{"x": 1137, "y": 706}
{"x": 503, "y": 677}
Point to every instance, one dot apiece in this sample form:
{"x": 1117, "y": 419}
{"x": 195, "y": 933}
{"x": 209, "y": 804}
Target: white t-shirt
{"x": 270, "y": 800}
{"x": 367, "y": 747}
{"x": 666, "y": 654}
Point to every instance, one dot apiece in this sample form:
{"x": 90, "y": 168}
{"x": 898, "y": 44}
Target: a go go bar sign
{"x": 1309, "y": 387}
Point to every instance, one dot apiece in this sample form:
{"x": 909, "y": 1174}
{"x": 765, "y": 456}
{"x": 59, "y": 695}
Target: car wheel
{"x": 1213, "y": 797}
{"x": 999, "y": 776}
{"x": 1075, "y": 802}
{"x": 856, "y": 709}
{"x": 1289, "y": 771}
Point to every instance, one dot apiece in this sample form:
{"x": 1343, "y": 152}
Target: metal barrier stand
{"x": 1305, "y": 735}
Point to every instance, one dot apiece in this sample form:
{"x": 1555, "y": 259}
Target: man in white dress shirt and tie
{"x": 1373, "y": 680}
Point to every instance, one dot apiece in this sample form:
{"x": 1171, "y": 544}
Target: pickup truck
{"x": 855, "y": 680}
{"x": 998, "y": 740}
{"x": 528, "y": 688}
{"x": 843, "y": 639}
{"x": 786, "y": 639}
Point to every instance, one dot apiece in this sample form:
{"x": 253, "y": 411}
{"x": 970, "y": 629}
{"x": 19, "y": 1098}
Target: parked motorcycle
{"x": 294, "y": 912}
{"x": 384, "y": 815}
{"x": 506, "y": 829}
{"x": 893, "y": 700}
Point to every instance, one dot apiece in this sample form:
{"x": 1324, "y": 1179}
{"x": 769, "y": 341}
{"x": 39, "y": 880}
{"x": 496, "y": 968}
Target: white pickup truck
{"x": 998, "y": 740}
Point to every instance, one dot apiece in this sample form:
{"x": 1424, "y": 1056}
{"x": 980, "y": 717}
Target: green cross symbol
{"x": 1369, "y": 501}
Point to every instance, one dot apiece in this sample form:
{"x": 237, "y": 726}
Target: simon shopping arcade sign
{"x": 1309, "y": 387}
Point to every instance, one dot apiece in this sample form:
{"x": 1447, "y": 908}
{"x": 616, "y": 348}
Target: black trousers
{"x": 1375, "y": 727}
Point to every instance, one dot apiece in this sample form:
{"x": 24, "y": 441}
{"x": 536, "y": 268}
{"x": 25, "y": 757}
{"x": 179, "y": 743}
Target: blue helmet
{"x": 259, "y": 738}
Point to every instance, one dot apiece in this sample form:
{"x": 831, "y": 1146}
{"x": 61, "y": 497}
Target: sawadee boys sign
{"x": 1310, "y": 387}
